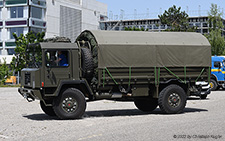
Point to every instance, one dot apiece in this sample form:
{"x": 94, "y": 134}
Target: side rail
{"x": 156, "y": 75}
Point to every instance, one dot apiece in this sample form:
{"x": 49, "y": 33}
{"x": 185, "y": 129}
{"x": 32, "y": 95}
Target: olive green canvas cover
{"x": 119, "y": 49}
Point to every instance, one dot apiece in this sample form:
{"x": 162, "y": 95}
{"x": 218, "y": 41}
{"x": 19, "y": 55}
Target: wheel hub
{"x": 69, "y": 104}
{"x": 211, "y": 84}
{"x": 174, "y": 100}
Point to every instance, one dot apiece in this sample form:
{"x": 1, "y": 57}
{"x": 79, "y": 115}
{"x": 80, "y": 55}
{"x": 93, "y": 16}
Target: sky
{"x": 156, "y": 7}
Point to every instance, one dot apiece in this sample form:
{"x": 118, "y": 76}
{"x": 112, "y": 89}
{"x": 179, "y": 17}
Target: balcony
{"x": 38, "y": 3}
{"x": 33, "y": 22}
{"x": 9, "y": 3}
{"x": 21, "y": 22}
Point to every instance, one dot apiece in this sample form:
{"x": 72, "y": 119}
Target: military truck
{"x": 152, "y": 69}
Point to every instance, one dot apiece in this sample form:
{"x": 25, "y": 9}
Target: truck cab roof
{"x": 58, "y": 45}
{"x": 218, "y": 58}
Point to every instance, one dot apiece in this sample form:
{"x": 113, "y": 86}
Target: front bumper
{"x": 30, "y": 94}
{"x": 202, "y": 92}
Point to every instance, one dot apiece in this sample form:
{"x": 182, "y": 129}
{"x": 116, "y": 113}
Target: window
{"x": 155, "y": 27}
{"x": 16, "y": 12}
{"x": 150, "y": 26}
{"x": 205, "y": 30}
{"x": 198, "y": 24}
{"x": 162, "y": 27}
{"x": 217, "y": 64}
{"x": 39, "y": 2}
{"x": 198, "y": 30}
{"x": 36, "y": 12}
{"x": 0, "y": 13}
{"x": 205, "y": 24}
{"x": 16, "y": 30}
{"x": 11, "y": 51}
{"x": 191, "y": 25}
{"x": 36, "y": 30}
{"x": 56, "y": 58}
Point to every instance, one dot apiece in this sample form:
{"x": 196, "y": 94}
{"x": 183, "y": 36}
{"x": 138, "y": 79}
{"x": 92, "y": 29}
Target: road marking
{"x": 89, "y": 137}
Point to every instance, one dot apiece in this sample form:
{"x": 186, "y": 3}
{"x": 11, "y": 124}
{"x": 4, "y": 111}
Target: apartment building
{"x": 54, "y": 17}
{"x": 201, "y": 22}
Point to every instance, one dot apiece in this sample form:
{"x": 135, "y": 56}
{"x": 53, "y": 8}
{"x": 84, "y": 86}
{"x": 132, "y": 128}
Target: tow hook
{"x": 28, "y": 98}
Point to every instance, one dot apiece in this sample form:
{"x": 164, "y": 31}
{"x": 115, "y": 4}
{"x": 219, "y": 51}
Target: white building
{"x": 69, "y": 17}
{"x": 56, "y": 17}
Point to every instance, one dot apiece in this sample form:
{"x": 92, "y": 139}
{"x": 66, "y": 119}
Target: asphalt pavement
{"x": 112, "y": 121}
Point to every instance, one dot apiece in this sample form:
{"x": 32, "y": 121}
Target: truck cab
{"x": 217, "y": 73}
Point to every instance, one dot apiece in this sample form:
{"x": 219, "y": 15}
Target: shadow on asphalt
{"x": 112, "y": 113}
{"x": 196, "y": 98}
{"x": 40, "y": 117}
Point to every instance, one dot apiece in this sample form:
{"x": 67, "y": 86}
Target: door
{"x": 57, "y": 67}
{"x": 218, "y": 70}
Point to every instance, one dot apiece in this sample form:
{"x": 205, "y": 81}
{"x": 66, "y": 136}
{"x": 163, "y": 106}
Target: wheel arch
{"x": 81, "y": 85}
{"x": 173, "y": 81}
{"x": 213, "y": 76}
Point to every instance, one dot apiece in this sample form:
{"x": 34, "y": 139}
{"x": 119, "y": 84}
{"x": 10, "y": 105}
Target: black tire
{"x": 146, "y": 105}
{"x": 172, "y": 99}
{"x": 47, "y": 109}
{"x": 71, "y": 104}
{"x": 87, "y": 63}
{"x": 203, "y": 96}
{"x": 213, "y": 85}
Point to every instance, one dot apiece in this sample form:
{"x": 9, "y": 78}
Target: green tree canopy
{"x": 4, "y": 71}
{"x": 176, "y": 19}
{"x": 215, "y": 31}
{"x": 19, "y": 62}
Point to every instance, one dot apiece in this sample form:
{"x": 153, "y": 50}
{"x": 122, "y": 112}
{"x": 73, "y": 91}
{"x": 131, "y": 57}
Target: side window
{"x": 57, "y": 58}
{"x": 217, "y": 64}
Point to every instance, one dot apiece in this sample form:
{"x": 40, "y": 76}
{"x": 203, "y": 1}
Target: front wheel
{"x": 70, "y": 105}
{"x": 146, "y": 105}
{"x": 172, "y": 99}
{"x": 213, "y": 85}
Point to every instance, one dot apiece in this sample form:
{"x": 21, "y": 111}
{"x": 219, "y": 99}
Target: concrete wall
{"x": 90, "y": 16}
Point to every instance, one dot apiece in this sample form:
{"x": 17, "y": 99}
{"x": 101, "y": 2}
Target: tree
{"x": 4, "y": 71}
{"x": 215, "y": 31}
{"x": 19, "y": 62}
{"x": 176, "y": 19}
{"x": 135, "y": 29}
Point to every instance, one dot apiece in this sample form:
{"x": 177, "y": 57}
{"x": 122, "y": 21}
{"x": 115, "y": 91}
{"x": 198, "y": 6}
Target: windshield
{"x": 34, "y": 56}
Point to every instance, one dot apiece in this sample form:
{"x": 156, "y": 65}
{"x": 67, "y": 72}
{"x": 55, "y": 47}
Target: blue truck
{"x": 217, "y": 73}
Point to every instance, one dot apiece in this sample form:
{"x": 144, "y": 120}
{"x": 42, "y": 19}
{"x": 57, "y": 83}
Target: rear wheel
{"x": 213, "y": 85}
{"x": 47, "y": 109}
{"x": 70, "y": 105}
{"x": 146, "y": 105}
{"x": 172, "y": 99}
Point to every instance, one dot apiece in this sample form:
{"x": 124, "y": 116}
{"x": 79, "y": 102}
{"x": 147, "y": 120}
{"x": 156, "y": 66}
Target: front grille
{"x": 27, "y": 78}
